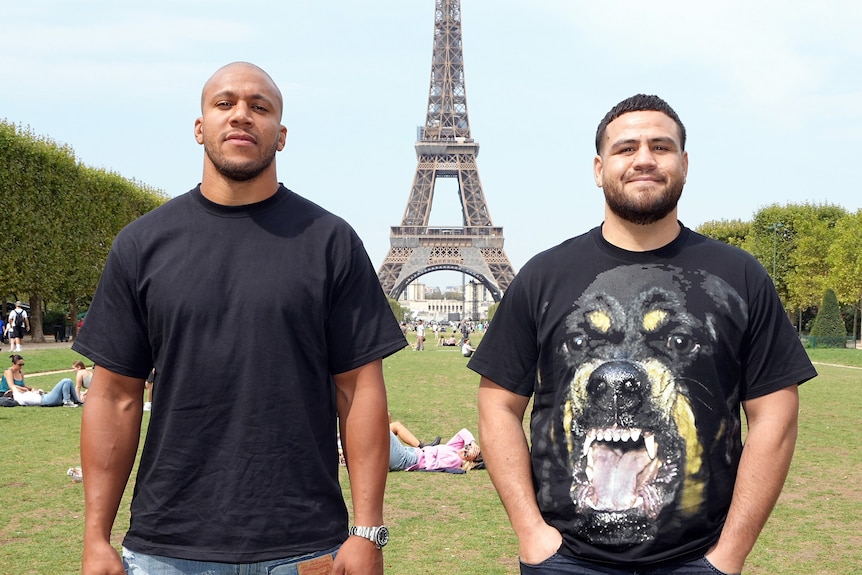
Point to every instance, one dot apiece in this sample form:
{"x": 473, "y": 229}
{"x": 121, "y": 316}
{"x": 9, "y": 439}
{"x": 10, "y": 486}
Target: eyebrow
{"x": 656, "y": 140}
{"x": 230, "y": 94}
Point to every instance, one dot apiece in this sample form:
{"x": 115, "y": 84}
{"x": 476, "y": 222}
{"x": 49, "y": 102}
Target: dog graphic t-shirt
{"x": 637, "y": 363}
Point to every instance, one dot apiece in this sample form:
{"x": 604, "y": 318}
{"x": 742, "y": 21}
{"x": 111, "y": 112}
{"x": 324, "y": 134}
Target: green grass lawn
{"x": 444, "y": 523}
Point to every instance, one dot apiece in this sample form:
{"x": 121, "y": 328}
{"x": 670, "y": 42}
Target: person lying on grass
{"x": 459, "y": 454}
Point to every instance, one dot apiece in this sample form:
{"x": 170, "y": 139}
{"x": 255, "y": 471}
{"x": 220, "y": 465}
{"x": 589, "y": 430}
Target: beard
{"x": 642, "y": 210}
{"x": 241, "y": 171}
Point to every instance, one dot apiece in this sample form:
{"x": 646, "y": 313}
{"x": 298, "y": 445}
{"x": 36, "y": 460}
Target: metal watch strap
{"x": 372, "y": 534}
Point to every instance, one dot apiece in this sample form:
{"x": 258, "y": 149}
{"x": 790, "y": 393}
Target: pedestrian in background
{"x": 17, "y": 325}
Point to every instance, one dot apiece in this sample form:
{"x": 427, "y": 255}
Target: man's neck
{"x": 220, "y": 190}
{"x": 640, "y": 238}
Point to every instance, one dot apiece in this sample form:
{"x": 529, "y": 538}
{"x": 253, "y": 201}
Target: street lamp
{"x": 775, "y": 228}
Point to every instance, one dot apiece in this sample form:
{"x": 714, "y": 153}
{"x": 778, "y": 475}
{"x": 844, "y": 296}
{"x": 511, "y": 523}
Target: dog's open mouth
{"x": 622, "y": 466}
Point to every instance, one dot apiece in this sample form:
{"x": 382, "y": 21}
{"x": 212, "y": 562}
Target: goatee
{"x": 243, "y": 172}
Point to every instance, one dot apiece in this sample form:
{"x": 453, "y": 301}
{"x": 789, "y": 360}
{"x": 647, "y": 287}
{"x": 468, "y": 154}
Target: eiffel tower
{"x": 445, "y": 149}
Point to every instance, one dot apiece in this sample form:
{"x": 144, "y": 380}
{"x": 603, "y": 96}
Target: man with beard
{"x": 637, "y": 342}
{"x": 239, "y": 470}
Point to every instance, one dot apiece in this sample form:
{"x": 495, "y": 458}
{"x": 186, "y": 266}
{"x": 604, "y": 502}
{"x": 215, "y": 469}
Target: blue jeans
{"x": 143, "y": 564}
{"x": 558, "y": 564}
{"x": 400, "y": 456}
{"x": 63, "y": 391}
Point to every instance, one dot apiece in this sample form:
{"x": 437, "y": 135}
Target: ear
{"x": 282, "y": 137}
{"x": 199, "y": 130}
{"x": 684, "y": 166}
{"x": 597, "y": 170}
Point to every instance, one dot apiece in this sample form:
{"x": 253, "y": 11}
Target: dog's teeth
{"x": 636, "y": 434}
{"x": 625, "y": 434}
{"x": 616, "y": 434}
{"x": 609, "y": 435}
{"x": 649, "y": 443}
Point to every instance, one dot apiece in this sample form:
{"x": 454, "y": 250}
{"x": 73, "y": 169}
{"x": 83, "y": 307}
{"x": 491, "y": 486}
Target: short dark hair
{"x": 638, "y": 103}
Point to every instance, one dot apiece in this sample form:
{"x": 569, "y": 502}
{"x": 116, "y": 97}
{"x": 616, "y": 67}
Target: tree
{"x": 828, "y": 329}
{"x": 815, "y": 229}
{"x": 845, "y": 263}
{"x": 732, "y": 232}
{"x": 398, "y": 310}
{"x": 492, "y": 309}
{"x": 791, "y": 242}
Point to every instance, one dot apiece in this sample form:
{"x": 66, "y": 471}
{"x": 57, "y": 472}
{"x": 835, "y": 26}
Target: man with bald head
{"x": 239, "y": 469}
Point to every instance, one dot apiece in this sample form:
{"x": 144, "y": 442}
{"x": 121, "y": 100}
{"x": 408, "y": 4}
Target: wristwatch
{"x": 378, "y": 535}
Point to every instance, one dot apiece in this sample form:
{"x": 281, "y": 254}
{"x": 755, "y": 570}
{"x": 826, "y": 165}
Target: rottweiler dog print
{"x": 634, "y": 446}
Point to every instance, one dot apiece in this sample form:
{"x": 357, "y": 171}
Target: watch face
{"x": 382, "y": 537}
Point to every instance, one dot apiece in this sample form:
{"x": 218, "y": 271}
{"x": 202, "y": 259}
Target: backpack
{"x": 19, "y": 320}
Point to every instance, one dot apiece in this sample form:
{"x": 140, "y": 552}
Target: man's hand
{"x": 723, "y": 564}
{"x": 540, "y": 544}
{"x": 100, "y": 558}
{"x": 358, "y": 556}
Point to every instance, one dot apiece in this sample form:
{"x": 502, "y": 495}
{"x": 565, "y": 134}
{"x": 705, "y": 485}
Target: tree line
{"x": 60, "y": 218}
{"x": 808, "y": 249}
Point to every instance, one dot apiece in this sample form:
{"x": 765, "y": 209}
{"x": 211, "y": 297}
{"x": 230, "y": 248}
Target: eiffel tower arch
{"x": 445, "y": 149}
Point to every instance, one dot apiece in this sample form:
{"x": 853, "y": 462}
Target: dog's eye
{"x": 576, "y": 343}
{"x": 682, "y": 343}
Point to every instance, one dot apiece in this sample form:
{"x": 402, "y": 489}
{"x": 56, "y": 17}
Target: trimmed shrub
{"x": 828, "y": 329}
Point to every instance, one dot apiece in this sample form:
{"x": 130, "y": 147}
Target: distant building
{"x": 432, "y": 305}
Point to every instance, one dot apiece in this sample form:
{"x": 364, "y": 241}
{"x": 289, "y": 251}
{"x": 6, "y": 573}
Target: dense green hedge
{"x": 60, "y": 218}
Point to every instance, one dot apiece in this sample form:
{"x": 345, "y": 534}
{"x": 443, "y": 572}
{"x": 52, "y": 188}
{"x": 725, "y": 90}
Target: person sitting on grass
{"x": 467, "y": 349}
{"x": 459, "y": 454}
{"x": 83, "y": 375}
{"x": 13, "y": 381}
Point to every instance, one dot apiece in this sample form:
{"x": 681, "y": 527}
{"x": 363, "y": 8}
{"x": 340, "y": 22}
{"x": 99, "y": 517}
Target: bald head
{"x": 228, "y": 71}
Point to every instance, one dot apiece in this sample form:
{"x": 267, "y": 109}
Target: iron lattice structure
{"x": 445, "y": 149}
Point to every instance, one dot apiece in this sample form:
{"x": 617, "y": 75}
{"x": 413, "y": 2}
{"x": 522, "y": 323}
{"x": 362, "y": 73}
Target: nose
{"x": 644, "y": 157}
{"x": 240, "y": 113}
{"x": 618, "y": 388}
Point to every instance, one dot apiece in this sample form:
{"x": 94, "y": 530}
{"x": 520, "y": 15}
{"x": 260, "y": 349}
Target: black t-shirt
{"x": 637, "y": 363}
{"x": 245, "y": 312}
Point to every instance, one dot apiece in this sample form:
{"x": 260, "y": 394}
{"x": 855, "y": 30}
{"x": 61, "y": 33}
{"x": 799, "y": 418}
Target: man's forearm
{"x": 365, "y": 438}
{"x": 110, "y": 432}
{"x": 763, "y": 468}
{"x": 364, "y": 421}
{"x": 507, "y": 457}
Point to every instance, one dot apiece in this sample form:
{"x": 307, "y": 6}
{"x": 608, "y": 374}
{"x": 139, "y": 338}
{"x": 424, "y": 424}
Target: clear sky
{"x": 770, "y": 92}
